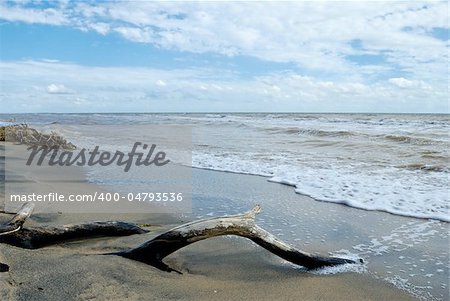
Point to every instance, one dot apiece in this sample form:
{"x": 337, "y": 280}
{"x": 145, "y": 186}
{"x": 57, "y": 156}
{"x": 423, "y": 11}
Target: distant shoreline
{"x": 238, "y": 113}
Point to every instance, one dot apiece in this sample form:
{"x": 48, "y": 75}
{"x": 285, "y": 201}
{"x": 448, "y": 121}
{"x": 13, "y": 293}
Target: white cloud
{"x": 134, "y": 34}
{"x": 57, "y": 89}
{"x": 321, "y": 38}
{"x": 313, "y": 35}
{"x": 79, "y": 101}
{"x": 161, "y": 83}
{"x": 404, "y": 83}
{"x": 50, "y": 60}
{"x": 50, "y": 16}
{"x": 100, "y": 27}
{"x": 128, "y": 89}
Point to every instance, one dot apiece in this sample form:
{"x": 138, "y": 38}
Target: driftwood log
{"x": 14, "y": 225}
{"x": 154, "y": 251}
{"x": 13, "y": 233}
{"x": 38, "y": 237}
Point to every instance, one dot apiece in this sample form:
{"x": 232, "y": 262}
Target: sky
{"x": 173, "y": 56}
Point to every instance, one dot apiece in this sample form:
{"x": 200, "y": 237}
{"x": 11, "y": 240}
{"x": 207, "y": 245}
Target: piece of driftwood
{"x": 13, "y": 232}
{"x": 38, "y": 237}
{"x": 154, "y": 251}
{"x": 16, "y": 223}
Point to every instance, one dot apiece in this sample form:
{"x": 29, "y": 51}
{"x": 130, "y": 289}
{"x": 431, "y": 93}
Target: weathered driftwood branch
{"x": 154, "y": 251}
{"x": 15, "y": 234}
{"x": 38, "y": 237}
{"x": 16, "y": 223}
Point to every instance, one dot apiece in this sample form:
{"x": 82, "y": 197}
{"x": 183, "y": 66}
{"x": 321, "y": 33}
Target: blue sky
{"x": 146, "y": 56}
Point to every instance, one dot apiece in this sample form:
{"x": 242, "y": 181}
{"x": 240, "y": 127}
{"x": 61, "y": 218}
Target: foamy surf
{"x": 400, "y": 192}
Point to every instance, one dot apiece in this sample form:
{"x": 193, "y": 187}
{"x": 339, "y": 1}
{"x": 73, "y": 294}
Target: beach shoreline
{"x": 220, "y": 268}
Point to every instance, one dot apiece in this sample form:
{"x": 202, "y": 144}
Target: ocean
{"x": 398, "y": 163}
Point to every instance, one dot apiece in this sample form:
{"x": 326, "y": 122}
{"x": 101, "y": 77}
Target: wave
{"x": 368, "y": 192}
{"x": 412, "y": 140}
{"x": 308, "y": 132}
{"x": 426, "y": 167}
{"x": 215, "y": 115}
{"x": 397, "y": 191}
{"x": 433, "y": 156}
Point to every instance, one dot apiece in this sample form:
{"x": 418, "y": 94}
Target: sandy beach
{"x": 227, "y": 268}
{"x": 224, "y": 150}
{"x": 219, "y": 269}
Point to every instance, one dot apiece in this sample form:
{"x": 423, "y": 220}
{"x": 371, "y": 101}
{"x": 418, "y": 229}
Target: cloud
{"x": 402, "y": 82}
{"x": 313, "y": 35}
{"x": 58, "y": 89}
{"x": 134, "y": 34}
{"x": 50, "y": 60}
{"x": 347, "y": 56}
{"x": 100, "y": 27}
{"x": 161, "y": 83}
{"x": 127, "y": 89}
{"x": 52, "y": 16}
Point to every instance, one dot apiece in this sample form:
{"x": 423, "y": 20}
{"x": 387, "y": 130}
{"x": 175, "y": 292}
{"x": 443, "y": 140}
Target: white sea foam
{"x": 398, "y": 164}
{"x": 356, "y": 267}
{"x": 407, "y": 193}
